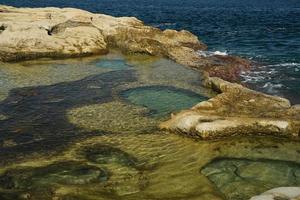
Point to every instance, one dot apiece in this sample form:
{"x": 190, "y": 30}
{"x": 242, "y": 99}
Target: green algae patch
{"x": 2, "y": 117}
{"x": 112, "y": 117}
{"x": 231, "y": 176}
{"x": 162, "y": 100}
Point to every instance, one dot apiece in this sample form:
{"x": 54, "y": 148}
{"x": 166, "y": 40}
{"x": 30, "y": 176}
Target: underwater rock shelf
{"x": 240, "y": 179}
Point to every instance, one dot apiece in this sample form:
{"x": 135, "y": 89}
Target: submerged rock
{"x": 239, "y": 179}
{"x": 104, "y": 154}
{"x": 237, "y": 111}
{"x": 45, "y": 182}
{"x": 68, "y": 173}
{"x": 114, "y": 117}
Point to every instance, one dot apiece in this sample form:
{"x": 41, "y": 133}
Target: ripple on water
{"x": 162, "y": 100}
{"x": 143, "y": 166}
{"x": 114, "y": 117}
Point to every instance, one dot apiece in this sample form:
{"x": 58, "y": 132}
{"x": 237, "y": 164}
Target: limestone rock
{"x": 54, "y": 32}
{"x": 237, "y": 111}
{"x": 281, "y": 193}
{"x": 48, "y": 33}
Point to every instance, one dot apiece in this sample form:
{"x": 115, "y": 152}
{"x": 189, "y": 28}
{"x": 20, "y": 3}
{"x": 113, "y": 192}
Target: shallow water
{"x": 94, "y": 134}
{"x": 162, "y": 100}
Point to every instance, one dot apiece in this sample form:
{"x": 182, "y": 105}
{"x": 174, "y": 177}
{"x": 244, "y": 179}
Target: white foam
{"x": 272, "y": 85}
{"x": 212, "y": 53}
{"x": 285, "y": 65}
{"x": 164, "y": 24}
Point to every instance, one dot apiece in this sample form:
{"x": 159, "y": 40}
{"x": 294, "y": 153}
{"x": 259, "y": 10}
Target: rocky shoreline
{"x": 133, "y": 165}
{"x": 68, "y": 32}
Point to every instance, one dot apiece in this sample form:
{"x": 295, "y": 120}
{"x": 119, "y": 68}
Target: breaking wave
{"x": 212, "y": 53}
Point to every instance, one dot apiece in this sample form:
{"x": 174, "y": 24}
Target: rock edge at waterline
{"x": 237, "y": 111}
{"x": 68, "y": 32}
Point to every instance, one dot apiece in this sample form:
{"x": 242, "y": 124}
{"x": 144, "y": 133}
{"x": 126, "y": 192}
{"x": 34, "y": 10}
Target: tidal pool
{"x": 87, "y": 129}
{"x": 162, "y": 100}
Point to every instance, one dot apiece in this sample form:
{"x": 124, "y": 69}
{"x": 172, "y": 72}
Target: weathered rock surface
{"x": 35, "y": 33}
{"x": 237, "y": 111}
{"x": 281, "y": 193}
{"x": 51, "y": 32}
{"x": 28, "y": 33}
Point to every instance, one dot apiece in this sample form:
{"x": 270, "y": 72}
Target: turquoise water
{"x": 163, "y": 100}
{"x": 115, "y": 64}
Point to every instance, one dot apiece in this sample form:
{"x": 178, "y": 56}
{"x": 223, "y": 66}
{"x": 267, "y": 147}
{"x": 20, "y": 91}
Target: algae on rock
{"x": 112, "y": 117}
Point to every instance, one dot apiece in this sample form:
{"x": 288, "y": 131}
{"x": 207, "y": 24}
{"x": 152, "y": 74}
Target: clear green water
{"x": 162, "y": 100}
{"x": 115, "y": 64}
{"x": 93, "y": 135}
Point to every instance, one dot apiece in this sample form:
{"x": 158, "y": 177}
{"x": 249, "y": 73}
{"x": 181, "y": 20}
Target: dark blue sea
{"x": 267, "y": 31}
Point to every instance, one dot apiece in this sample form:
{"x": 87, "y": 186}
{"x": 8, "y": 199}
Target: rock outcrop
{"x": 54, "y": 32}
{"x": 237, "y": 111}
{"x": 68, "y": 32}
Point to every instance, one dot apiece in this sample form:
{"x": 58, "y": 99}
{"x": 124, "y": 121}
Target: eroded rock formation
{"x": 237, "y": 111}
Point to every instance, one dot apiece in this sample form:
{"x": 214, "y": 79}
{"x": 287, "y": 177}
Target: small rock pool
{"x": 87, "y": 129}
{"x": 162, "y": 100}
